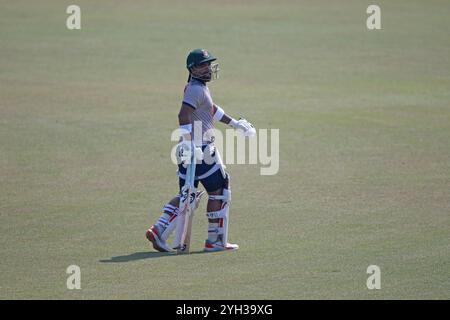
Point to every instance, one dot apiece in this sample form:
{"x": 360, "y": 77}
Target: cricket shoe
{"x": 217, "y": 246}
{"x": 159, "y": 244}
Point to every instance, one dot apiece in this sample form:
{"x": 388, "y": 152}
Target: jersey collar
{"x": 198, "y": 80}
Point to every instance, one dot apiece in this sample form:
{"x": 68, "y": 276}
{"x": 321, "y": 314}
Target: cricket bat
{"x": 187, "y": 206}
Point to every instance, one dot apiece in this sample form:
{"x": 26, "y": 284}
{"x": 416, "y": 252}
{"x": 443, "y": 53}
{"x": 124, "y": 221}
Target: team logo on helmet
{"x": 205, "y": 54}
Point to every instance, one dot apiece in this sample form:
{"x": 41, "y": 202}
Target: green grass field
{"x": 364, "y": 119}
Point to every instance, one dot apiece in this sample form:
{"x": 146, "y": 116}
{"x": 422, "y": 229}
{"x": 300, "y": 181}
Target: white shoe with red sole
{"x": 160, "y": 245}
{"x": 214, "y": 247}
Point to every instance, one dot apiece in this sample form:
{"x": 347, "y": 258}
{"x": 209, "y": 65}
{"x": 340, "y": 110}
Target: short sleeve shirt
{"x": 197, "y": 96}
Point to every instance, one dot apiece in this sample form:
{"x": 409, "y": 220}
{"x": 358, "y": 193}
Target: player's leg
{"x": 166, "y": 223}
{"x": 158, "y": 233}
{"x": 218, "y": 188}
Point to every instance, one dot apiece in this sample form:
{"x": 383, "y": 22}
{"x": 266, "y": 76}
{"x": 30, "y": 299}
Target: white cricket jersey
{"x": 197, "y": 96}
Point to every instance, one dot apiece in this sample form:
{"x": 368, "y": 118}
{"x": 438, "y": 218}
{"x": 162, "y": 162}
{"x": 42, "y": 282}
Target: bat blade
{"x": 185, "y": 241}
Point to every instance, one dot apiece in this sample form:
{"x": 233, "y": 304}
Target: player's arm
{"x": 244, "y": 125}
{"x": 185, "y": 120}
{"x": 220, "y": 115}
{"x": 186, "y": 145}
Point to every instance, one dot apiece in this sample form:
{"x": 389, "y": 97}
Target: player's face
{"x": 202, "y": 71}
{"x": 205, "y": 71}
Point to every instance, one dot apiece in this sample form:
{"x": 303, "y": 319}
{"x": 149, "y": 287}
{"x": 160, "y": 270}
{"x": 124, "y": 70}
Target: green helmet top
{"x": 198, "y": 56}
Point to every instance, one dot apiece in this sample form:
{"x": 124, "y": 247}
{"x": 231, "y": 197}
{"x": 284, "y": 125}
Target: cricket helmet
{"x": 197, "y": 57}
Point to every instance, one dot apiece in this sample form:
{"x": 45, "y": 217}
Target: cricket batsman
{"x": 196, "y": 119}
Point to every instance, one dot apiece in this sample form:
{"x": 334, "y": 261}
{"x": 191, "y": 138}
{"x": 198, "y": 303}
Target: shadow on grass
{"x": 144, "y": 255}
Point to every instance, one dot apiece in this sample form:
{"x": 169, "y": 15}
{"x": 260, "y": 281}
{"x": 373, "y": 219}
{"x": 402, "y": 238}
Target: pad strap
{"x": 225, "y": 196}
{"x": 217, "y": 214}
